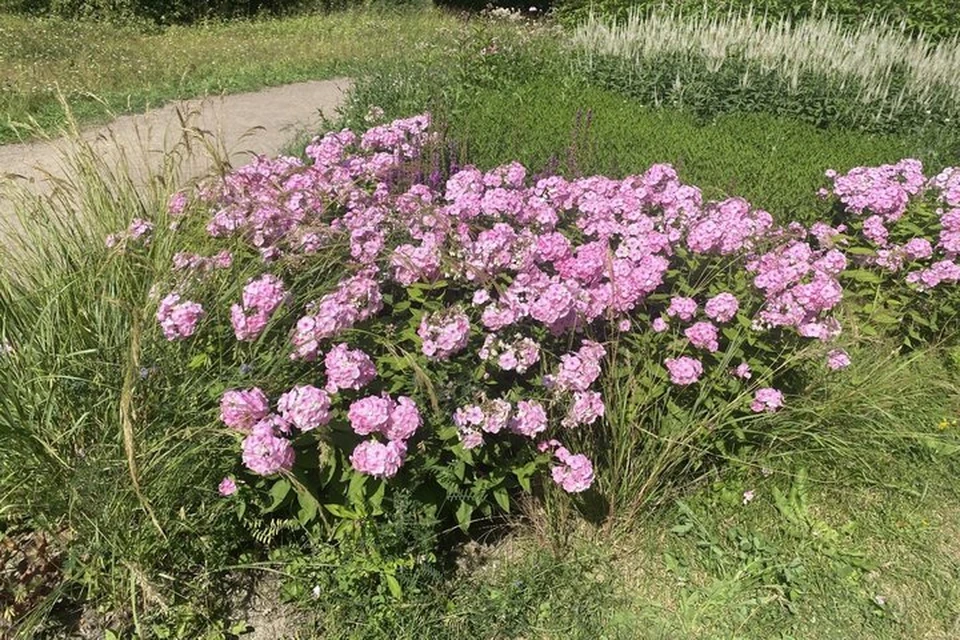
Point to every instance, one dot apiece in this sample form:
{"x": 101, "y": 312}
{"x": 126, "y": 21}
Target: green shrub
{"x": 480, "y": 5}
{"x": 170, "y": 11}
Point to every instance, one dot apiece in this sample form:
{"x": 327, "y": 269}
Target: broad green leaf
{"x": 464, "y": 515}
{"x": 863, "y": 275}
{"x": 355, "y": 492}
{"x": 393, "y": 585}
{"x": 308, "y": 507}
{"x": 376, "y": 498}
{"x": 278, "y": 493}
{"x": 341, "y": 511}
{"x": 502, "y": 497}
{"x": 523, "y": 475}
{"x": 198, "y": 361}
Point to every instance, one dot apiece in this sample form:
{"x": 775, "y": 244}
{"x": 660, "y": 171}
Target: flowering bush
{"x": 458, "y": 338}
{"x": 902, "y": 233}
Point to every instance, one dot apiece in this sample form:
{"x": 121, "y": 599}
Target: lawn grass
{"x": 807, "y": 558}
{"x": 850, "y": 532}
{"x": 776, "y": 163}
{"x": 102, "y": 69}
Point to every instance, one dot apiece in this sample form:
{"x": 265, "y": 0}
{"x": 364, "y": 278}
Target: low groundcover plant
{"x": 450, "y": 337}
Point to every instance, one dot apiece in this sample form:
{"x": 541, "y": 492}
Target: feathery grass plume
{"x": 871, "y": 75}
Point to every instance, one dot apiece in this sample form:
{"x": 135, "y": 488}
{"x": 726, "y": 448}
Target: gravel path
{"x": 242, "y": 124}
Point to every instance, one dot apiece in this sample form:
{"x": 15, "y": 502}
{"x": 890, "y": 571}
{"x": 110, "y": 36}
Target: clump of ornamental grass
{"x": 871, "y": 76}
{"x": 95, "y": 450}
{"x": 887, "y": 406}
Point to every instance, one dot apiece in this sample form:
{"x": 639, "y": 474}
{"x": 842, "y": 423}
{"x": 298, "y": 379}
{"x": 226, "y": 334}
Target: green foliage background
{"x": 176, "y": 11}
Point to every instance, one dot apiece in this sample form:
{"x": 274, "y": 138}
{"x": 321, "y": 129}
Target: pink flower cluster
{"x": 722, "y": 307}
{"x": 800, "y": 287}
{"x": 885, "y": 194}
{"x": 533, "y": 260}
{"x": 396, "y": 420}
{"x": 178, "y": 318}
{"x": 574, "y": 473}
{"x": 378, "y": 459}
{"x": 703, "y": 335}
{"x": 177, "y": 203}
{"x": 517, "y": 355}
{"x": 527, "y": 418}
{"x": 682, "y": 308}
{"x": 227, "y": 487}
{"x": 305, "y": 407}
{"x": 444, "y": 333}
{"x": 241, "y": 409}
{"x": 140, "y": 231}
{"x": 766, "y": 399}
{"x": 186, "y": 261}
{"x": 266, "y": 448}
{"x": 490, "y": 416}
{"x": 884, "y": 191}
{"x": 684, "y": 370}
{"x": 265, "y": 452}
{"x": 728, "y": 227}
{"x": 743, "y": 371}
{"x": 577, "y": 370}
{"x": 838, "y": 359}
{"x": 348, "y": 368}
{"x": 587, "y": 407}
{"x": 356, "y": 299}
{"x": 261, "y": 298}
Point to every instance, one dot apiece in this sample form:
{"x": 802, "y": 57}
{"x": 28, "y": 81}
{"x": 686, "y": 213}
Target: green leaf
{"x": 393, "y": 585}
{"x": 240, "y": 628}
{"x": 524, "y": 474}
{"x": 447, "y": 433}
{"x": 464, "y": 515}
{"x": 502, "y": 497}
{"x": 863, "y": 275}
{"x": 308, "y": 507}
{"x": 355, "y": 491}
{"x": 341, "y": 511}
{"x": 376, "y": 498}
{"x": 278, "y": 492}
{"x": 198, "y": 361}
